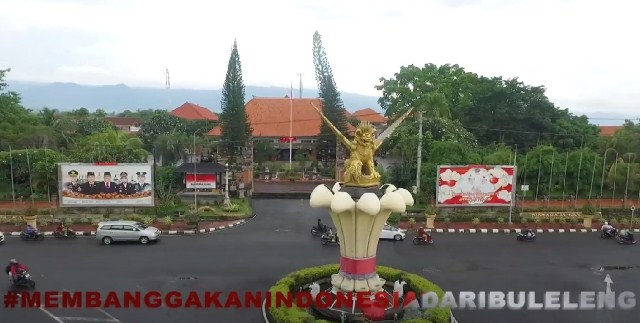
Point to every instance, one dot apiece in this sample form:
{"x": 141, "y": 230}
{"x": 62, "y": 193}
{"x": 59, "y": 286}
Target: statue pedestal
{"x": 431, "y": 219}
{"x": 359, "y": 215}
{"x": 587, "y": 222}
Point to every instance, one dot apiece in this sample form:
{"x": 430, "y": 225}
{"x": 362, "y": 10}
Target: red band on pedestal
{"x": 358, "y": 266}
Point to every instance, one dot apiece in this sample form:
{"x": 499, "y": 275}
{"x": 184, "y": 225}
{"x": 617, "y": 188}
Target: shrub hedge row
{"x": 296, "y": 279}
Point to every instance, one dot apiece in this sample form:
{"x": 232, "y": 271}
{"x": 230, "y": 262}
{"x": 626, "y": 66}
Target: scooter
{"x": 609, "y": 234}
{"x": 524, "y": 237}
{"x": 23, "y": 280}
{"x": 418, "y": 240}
{"x": 325, "y": 239}
{"x": 622, "y": 240}
{"x": 37, "y": 236}
{"x": 318, "y": 232}
{"x": 61, "y": 234}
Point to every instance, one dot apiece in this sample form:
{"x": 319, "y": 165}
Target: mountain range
{"x": 120, "y": 97}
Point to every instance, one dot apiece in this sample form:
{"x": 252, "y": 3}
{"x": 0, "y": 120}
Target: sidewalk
{"x": 468, "y": 227}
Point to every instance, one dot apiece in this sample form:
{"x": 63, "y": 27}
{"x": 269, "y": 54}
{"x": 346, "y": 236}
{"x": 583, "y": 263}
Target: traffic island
{"x": 282, "y": 306}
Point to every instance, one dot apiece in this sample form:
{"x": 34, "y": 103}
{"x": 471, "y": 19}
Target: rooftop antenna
{"x": 167, "y": 85}
{"x": 300, "y": 75}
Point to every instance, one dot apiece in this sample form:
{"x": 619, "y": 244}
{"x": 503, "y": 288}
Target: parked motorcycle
{"x": 23, "y": 280}
{"x": 522, "y": 236}
{"x": 318, "y": 232}
{"x": 609, "y": 234}
{"x": 61, "y": 234}
{"x": 325, "y": 239}
{"x": 36, "y": 236}
{"x": 418, "y": 240}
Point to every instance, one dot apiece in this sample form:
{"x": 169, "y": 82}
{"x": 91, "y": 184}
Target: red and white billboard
{"x": 205, "y": 181}
{"x": 475, "y": 185}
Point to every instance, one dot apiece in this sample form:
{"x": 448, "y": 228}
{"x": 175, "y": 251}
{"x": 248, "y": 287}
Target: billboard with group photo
{"x": 475, "y": 185}
{"x": 105, "y": 184}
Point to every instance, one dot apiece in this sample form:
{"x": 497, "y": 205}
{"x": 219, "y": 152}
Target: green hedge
{"x": 308, "y": 275}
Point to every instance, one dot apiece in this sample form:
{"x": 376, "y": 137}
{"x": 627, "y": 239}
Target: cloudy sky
{"x": 584, "y": 51}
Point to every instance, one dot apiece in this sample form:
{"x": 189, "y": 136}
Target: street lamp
{"x": 195, "y": 173}
{"x": 227, "y": 201}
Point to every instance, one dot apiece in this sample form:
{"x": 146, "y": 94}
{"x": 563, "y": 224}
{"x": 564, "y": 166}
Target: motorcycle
{"x": 621, "y": 240}
{"x": 318, "y": 232}
{"x": 36, "y": 236}
{"x": 524, "y": 237}
{"x": 23, "y": 280}
{"x": 61, "y": 234}
{"x": 325, "y": 239}
{"x": 418, "y": 240}
{"x": 609, "y": 234}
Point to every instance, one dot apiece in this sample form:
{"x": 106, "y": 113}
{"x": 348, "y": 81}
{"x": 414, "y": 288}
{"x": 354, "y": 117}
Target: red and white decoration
{"x": 201, "y": 181}
{"x": 475, "y": 185}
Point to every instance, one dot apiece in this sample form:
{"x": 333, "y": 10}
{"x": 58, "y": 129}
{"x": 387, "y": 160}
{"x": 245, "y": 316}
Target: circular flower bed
{"x": 295, "y": 280}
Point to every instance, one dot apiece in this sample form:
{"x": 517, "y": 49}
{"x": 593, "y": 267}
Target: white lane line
{"x": 55, "y": 318}
{"x": 85, "y": 319}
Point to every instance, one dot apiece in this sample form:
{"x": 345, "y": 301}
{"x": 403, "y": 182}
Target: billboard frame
{"x": 514, "y": 186}
{"x": 105, "y": 205}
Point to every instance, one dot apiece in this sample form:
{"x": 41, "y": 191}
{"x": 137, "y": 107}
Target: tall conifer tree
{"x": 332, "y": 105}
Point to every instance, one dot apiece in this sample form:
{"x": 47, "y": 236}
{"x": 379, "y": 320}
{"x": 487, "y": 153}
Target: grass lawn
{"x": 240, "y": 208}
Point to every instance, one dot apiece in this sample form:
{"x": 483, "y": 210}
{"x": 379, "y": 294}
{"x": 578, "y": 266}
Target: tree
{"x": 160, "y": 123}
{"x": 332, "y": 105}
{"x": 109, "y": 146}
{"x": 234, "y": 122}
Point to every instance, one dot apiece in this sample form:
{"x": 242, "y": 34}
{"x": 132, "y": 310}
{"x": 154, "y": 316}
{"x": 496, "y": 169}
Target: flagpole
{"x": 29, "y": 169}
{"x": 291, "y": 126}
{"x": 13, "y": 188}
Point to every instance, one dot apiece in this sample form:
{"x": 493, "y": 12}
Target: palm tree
{"x": 111, "y": 146}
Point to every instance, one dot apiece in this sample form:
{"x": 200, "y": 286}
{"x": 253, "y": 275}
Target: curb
{"x": 165, "y": 233}
{"x": 485, "y": 231}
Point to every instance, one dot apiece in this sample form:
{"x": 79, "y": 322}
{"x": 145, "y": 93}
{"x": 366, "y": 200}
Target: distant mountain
{"x": 117, "y": 98}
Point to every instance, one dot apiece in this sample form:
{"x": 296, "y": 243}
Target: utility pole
{"x": 419, "y": 165}
{"x": 300, "y": 75}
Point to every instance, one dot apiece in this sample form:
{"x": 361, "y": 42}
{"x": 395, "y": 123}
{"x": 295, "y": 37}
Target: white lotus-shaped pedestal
{"x": 358, "y": 226}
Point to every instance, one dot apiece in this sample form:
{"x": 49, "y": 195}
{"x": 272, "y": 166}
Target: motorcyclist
{"x": 528, "y": 233}
{"x": 61, "y": 228}
{"x": 30, "y": 231}
{"x": 331, "y": 235}
{"x": 14, "y": 268}
{"x": 422, "y": 233}
{"x": 606, "y": 228}
{"x": 321, "y": 226}
{"x": 626, "y": 235}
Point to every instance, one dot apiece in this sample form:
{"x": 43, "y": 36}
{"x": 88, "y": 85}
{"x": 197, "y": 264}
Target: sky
{"x": 584, "y": 51}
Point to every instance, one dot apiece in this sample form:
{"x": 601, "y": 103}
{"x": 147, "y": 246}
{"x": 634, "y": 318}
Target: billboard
{"x": 105, "y": 184}
{"x": 475, "y": 185}
{"x": 206, "y": 181}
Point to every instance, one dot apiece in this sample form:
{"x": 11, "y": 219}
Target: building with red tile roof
{"x": 191, "y": 111}
{"x": 608, "y": 131}
{"x": 370, "y": 115}
{"x": 271, "y": 119}
{"x": 125, "y": 124}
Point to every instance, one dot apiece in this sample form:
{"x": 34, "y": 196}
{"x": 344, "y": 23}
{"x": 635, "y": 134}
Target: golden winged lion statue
{"x": 359, "y": 168}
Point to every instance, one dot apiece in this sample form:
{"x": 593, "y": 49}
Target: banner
{"x": 475, "y": 185}
{"x": 105, "y": 184}
{"x": 206, "y": 181}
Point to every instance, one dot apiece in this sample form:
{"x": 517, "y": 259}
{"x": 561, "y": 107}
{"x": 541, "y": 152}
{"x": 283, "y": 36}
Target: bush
{"x": 588, "y": 209}
{"x": 574, "y": 221}
{"x": 167, "y": 220}
{"x": 524, "y": 221}
{"x": 147, "y": 220}
{"x": 500, "y": 220}
{"x": 613, "y": 221}
{"x": 233, "y": 207}
{"x": 394, "y": 218}
{"x": 192, "y": 217}
{"x": 295, "y": 280}
{"x": 476, "y": 221}
{"x": 562, "y": 221}
{"x": 624, "y": 221}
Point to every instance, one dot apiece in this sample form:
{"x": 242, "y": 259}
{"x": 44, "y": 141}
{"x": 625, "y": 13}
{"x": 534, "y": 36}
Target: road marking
{"x": 55, "y": 318}
{"x": 112, "y": 319}
{"x": 85, "y": 319}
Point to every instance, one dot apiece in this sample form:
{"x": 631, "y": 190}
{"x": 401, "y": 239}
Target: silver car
{"x": 126, "y": 231}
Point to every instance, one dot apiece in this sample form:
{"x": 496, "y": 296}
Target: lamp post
{"x": 195, "y": 173}
{"x": 227, "y": 201}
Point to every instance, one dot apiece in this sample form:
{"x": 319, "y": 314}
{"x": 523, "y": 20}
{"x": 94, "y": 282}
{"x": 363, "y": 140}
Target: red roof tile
{"x": 270, "y": 117}
{"x": 192, "y": 111}
{"x": 369, "y": 115}
{"x": 124, "y": 121}
{"x": 606, "y": 131}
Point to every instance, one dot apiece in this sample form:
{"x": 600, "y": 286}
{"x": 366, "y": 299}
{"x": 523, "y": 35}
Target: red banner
{"x": 475, "y": 185}
{"x": 201, "y": 180}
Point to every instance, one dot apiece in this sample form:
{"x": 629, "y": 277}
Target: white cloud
{"x": 584, "y": 51}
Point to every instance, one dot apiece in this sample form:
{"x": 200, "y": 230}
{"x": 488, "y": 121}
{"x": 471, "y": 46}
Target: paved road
{"x": 253, "y": 256}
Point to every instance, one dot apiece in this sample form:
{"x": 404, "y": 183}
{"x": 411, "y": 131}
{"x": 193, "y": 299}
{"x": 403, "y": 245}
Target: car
{"x": 391, "y": 232}
{"x": 111, "y": 231}
{"x": 1, "y": 238}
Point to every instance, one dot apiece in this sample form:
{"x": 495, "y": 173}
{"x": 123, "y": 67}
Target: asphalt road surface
{"x": 253, "y": 256}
